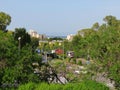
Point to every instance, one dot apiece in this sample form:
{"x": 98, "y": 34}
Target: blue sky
{"x": 58, "y": 17}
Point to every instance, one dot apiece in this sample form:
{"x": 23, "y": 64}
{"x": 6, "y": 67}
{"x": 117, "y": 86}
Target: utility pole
{"x": 63, "y": 50}
{"x": 19, "y": 46}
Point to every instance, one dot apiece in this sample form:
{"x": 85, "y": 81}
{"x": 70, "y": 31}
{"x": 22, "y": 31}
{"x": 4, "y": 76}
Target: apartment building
{"x": 33, "y": 33}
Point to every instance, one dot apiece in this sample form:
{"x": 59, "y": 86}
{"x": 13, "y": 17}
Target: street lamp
{"x": 19, "y": 38}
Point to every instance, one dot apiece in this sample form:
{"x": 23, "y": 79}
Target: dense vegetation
{"x": 5, "y": 20}
{"x": 16, "y": 57}
{"x": 100, "y": 42}
{"x": 84, "y": 85}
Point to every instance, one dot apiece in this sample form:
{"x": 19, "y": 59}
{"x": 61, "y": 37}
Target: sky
{"x": 58, "y": 17}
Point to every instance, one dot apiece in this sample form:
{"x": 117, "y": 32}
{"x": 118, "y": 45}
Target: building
{"x": 59, "y": 51}
{"x": 70, "y": 37}
{"x": 33, "y": 33}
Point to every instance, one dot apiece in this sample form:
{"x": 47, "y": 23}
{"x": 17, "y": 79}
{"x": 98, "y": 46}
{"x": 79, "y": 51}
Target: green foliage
{"x": 15, "y": 66}
{"x": 55, "y": 38}
{"x": 73, "y": 60}
{"x": 111, "y": 20}
{"x": 103, "y": 46}
{"x": 29, "y": 86}
{"x": 95, "y": 26}
{"x": 34, "y": 42}
{"x": 5, "y": 20}
{"x": 25, "y": 37}
{"x": 84, "y": 85}
{"x": 79, "y": 62}
{"x": 102, "y": 43}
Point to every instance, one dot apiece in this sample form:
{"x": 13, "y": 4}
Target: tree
{"x": 55, "y": 38}
{"x": 25, "y": 37}
{"x": 34, "y": 44}
{"x": 103, "y": 27}
{"x": 14, "y": 67}
{"x": 5, "y": 20}
{"x": 95, "y": 26}
{"x": 103, "y": 46}
{"x": 111, "y": 20}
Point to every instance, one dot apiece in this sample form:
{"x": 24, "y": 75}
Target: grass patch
{"x": 84, "y": 85}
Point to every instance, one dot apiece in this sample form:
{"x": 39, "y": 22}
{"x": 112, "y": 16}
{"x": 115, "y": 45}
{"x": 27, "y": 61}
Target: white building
{"x": 33, "y": 33}
{"x": 70, "y": 37}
